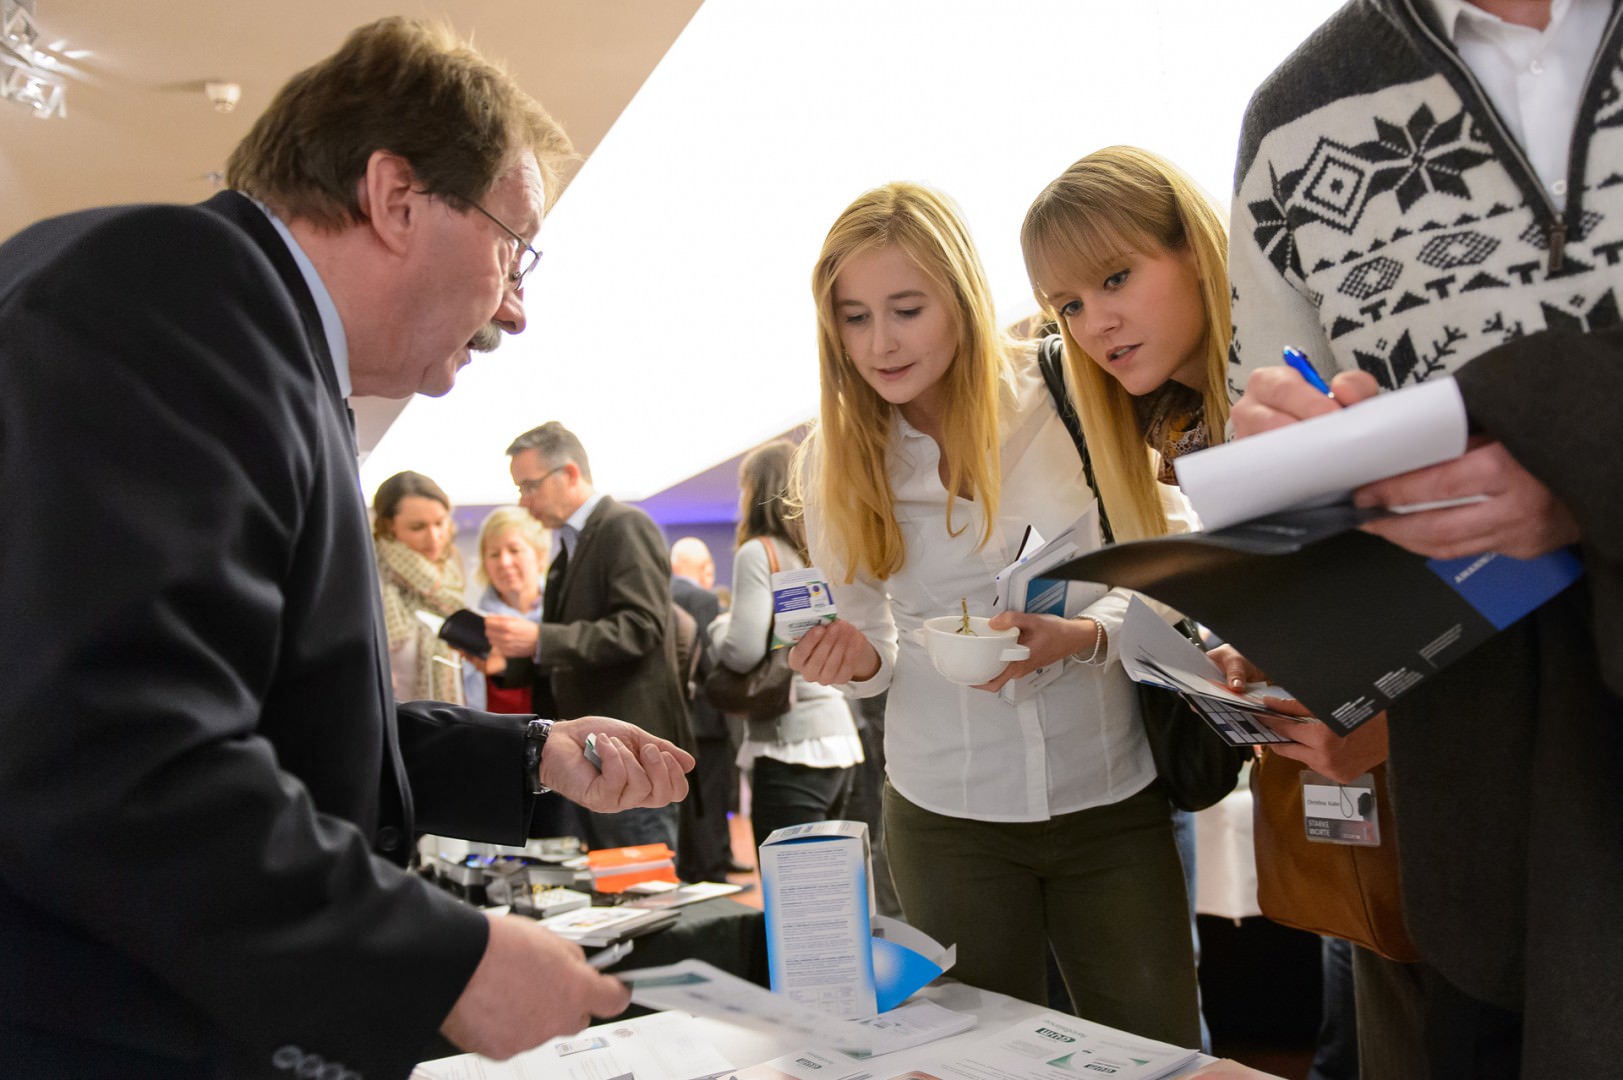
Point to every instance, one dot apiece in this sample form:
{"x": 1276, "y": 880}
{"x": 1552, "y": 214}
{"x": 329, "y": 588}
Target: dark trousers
{"x": 631, "y": 827}
{"x": 1336, "y": 1055}
{"x": 782, "y": 794}
{"x": 1391, "y": 1010}
{"x": 1103, "y": 887}
{"x": 706, "y": 842}
{"x": 1467, "y": 1037}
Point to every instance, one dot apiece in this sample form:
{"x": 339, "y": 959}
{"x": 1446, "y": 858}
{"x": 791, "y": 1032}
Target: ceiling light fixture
{"x": 24, "y": 75}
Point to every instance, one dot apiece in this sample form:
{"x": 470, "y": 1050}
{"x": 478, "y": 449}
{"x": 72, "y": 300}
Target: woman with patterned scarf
{"x": 418, "y": 570}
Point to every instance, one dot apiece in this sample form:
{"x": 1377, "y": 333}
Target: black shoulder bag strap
{"x": 1051, "y": 359}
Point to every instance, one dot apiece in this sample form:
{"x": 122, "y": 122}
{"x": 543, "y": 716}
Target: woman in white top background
{"x": 1012, "y": 828}
{"x": 802, "y": 764}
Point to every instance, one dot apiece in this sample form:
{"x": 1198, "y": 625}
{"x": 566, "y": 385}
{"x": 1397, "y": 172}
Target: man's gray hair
{"x": 556, "y": 445}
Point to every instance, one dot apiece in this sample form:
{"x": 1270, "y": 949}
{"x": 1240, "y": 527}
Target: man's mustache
{"x": 487, "y": 339}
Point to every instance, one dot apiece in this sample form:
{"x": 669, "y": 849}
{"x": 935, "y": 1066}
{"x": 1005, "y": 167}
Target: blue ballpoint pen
{"x": 1296, "y": 359}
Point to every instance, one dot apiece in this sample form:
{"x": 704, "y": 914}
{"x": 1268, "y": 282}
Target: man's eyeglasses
{"x": 526, "y": 488}
{"x": 525, "y": 256}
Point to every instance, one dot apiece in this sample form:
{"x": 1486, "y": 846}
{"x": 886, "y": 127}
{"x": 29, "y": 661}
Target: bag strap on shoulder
{"x": 1050, "y": 359}
{"x": 772, "y": 568}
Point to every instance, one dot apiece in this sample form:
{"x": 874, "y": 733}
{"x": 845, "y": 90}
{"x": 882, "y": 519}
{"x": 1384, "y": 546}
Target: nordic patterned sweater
{"x": 1385, "y": 219}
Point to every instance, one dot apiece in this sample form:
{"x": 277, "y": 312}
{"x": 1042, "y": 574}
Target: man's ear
{"x": 389, "y": 198}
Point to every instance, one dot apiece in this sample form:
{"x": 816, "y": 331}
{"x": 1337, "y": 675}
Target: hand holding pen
{"x": 1283, "y": 394}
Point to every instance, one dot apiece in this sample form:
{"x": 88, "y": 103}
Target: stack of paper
{"x": 1153, "y": 652}
{"x": 606, "y": 925}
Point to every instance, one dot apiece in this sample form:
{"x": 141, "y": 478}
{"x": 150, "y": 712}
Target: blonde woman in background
{"x": 418, "y": 570}
{"x": 1012, "y": 828}
{"x": 513, "y": 569}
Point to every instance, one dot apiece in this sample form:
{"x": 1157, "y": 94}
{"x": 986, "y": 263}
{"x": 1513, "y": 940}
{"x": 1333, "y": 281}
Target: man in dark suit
{"x": 605, "y": 643}
{"x": 706, "y": 842}
{"x": 209, "y": 795}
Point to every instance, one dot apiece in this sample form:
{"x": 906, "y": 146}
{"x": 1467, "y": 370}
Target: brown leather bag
{"x": 1336, "y": 889}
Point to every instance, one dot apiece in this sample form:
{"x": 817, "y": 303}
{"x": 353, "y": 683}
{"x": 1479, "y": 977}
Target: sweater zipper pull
{"x": 1558, "y": 245}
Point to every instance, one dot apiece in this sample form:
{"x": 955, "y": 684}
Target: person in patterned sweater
{"x": 1434, "y": 188}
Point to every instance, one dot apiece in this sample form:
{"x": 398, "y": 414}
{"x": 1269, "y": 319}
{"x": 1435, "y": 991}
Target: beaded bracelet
{"x": 1099, "y": 642}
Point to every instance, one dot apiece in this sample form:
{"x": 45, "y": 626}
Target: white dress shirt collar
{"x": 1534, "y": 78}
{"x": 572, "y": 528}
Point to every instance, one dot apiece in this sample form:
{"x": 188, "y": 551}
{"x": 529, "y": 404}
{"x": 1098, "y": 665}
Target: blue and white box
{"x": 825, "y": 947}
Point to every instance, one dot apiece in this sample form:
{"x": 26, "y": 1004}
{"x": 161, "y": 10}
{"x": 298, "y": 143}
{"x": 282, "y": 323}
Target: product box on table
{"x": 825, "y": 947}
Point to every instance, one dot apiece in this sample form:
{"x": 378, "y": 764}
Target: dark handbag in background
{"x": 765, "y": 690}
{"x": 1337, "y": 889}
{"x": 1197, "y": 766}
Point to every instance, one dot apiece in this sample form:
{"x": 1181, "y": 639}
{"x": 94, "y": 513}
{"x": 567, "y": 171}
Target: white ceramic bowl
{"x": 970, "y": 659}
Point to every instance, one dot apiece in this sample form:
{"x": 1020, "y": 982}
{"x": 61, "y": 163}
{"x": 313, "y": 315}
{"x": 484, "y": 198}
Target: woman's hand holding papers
{"x": 639, "y": 769}
{"x": 834, "y": 654}
{"x": 530, "y": 986}
{"x": 1049, "y": 637}
{"x": 1315, "y": 745}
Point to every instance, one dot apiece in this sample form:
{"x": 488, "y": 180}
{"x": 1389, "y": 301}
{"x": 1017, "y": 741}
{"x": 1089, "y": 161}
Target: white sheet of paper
{"x": 664, "y": 1046}
{"x": 699, "y": 988}
{"x": 1320, "y": 461}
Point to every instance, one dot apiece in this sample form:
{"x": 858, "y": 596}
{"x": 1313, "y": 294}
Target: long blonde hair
{"x": 1114, "y": 200}
{"x": 842, "y": 464}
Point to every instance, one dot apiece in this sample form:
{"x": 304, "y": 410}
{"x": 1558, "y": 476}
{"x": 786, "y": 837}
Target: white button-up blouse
{"x": 1078, "y": 742}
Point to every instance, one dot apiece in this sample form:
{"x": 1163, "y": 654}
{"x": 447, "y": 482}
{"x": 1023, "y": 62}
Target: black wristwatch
{"x": 535, "y": 740}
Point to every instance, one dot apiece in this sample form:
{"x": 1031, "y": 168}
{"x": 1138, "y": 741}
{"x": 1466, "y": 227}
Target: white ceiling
{"x": 139, "y": 127}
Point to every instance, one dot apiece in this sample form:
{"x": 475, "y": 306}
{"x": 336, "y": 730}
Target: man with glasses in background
{"x": 209, "y": 795}
{"x": 606, "y": 641}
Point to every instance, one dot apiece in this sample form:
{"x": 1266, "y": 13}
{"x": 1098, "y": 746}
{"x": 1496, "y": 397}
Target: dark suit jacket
{"x": 606, "y": 645}
{"x": 203, "y": 777}
{"x": 703, "y": 605}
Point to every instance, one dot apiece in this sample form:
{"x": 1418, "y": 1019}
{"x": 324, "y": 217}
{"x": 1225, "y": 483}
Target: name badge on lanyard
{"x": 1336, "y": 813}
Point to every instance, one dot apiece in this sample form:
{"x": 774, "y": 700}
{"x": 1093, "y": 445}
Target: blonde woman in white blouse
{"x": 1012, "y": 828}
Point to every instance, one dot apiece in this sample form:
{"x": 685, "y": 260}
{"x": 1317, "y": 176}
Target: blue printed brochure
{"x": 1025, "y": 585}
